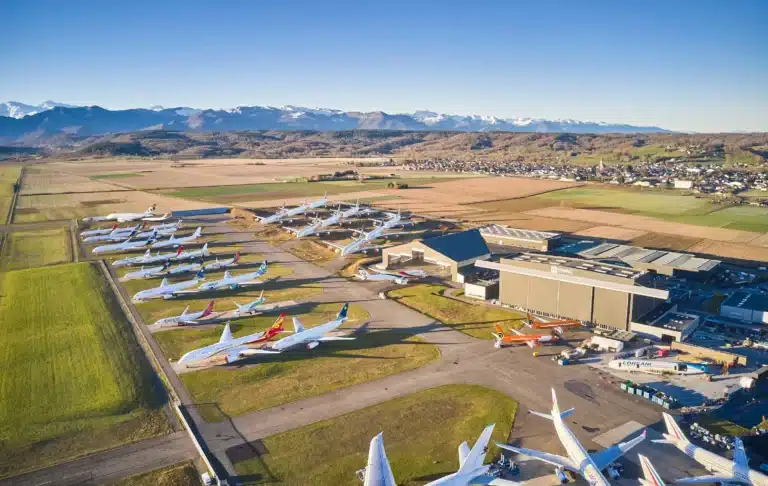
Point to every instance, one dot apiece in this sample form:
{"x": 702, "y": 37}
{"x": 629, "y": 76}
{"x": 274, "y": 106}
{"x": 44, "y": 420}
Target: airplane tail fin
{"x": 226, "y": 274}
{"x": 463, "y": 453}
{"x": 208, "y": 310}
{"x": 555, "y": 406}
{"x": 674, "y": 431}
{"x": 114, "y": 227}
{"x": 650, "y": 476}
{"x": 180, "y": 250}
{"x": 198, "y": 232}
{"x": 144, "y": 225}
{"x": 476, "y": 455}
{"x": 205, "y": 249}
{"x": 342, "y": 315}
{"x": 377, "y": 469}
{"x": 263, "y": 267}
{"x": 148, "y": 252}
{"x": 200, "y": 275}
{"x": 237, "y": 257}
{"x": 164, "y": 283}
{"x": 297, "y": 327}
{"x": 226, "y": 335}
{"x": 278, "y": 324}
{"x": 499, "y": 330}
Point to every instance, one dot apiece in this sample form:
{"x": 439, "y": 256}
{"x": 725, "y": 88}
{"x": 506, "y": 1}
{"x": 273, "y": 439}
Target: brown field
{"x": 647, "y": 224}
{"x": 67, "y": 206}
{"x": 666, "y": 242}
{"x": 612, "y": 233}
{"x": 761, "y": 240}
{"x": 42, "y": 181}
{"x": 731, "y": 250}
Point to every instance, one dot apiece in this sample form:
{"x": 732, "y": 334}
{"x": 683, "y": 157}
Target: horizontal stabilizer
{"x": 549, "y": 417}
{"x": 604, "y": 458}
{"x": 553, "y": 459}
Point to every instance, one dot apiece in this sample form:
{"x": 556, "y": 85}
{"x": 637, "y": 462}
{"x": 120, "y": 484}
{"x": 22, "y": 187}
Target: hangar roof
{"x": 744, "y": 300}
{"x": 459, "y": 246}
{"x": 636, "y": 254}
{"x": 498, "y": 230}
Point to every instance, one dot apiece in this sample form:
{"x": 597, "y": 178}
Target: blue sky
{"x": 686, "y": 65}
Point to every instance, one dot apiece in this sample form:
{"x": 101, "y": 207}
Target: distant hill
{"x": 45, "y": 124}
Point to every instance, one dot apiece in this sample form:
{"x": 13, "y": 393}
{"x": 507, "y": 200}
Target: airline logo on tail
{"x": 200, "y": 274}
{"x": 208, "y": 310}
{"x": 343, "y": 313}
{"x": 237, "y": 258}
{"x": 180, "y": 250}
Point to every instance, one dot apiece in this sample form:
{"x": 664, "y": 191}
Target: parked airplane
{"x": 249, "y": 308}
{"x": 355, "y": 246}
{"x": 657, "y": 367}
{"x": 736, "y": 471}
{"x": 186, "y": 268}
{"x": 123, "y": 246}
{"x": 186, "y": 317}
{"x": 287, "y": 213}
{"x": 234, "y": 281}
{"x": 231, "y": 262}
{"x": 537, "y": 324}
{"x": 123, "y": 217}
{"x": 230, "y": 348}
{"x": 117, "y": 235}
{"x": 311, "y": 338}
{"x": 188, "y": 255}
{"x": 532, "y": 340}
{"x": 650, "y": 476}
{"x": 415, "y": 273}
{"x": 106, "y": 231}
{"x": 363, "y": 243}
{"x": 362, "y": 274}
{"x": 147, "y": 257}
{"x": 163, "y": 226}
{"x": 146, "y": 272}
{"x": 589, "y": 466}
{"x": 167, "y": 290}
{"x": 318, "y": 225}
{"x": 174, "y": 242}
{"x": 378, "y": 472}
{"x": 164, "y": 217}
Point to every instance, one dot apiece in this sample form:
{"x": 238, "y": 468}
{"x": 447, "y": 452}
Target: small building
{"x": 746, "y": 307}
{"x": 497, "y": 234}
{"x": 482, "y": 289}
{"x": 683, "y": 184}
{"x": 670, "y": 326}
{"x": 452, "y": 251}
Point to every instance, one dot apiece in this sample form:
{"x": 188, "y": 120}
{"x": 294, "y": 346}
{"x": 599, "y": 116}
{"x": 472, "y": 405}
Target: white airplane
{"x": 287, "y": 213}
{"x": 186, "y": 317}
{"x": 163, "y": 226}
{"x": 187, "y": 255}
{"x": 118, "y": 235}
{"x": 174, "y": 242}
{"x": 311, "y": 338}
{"x": 124, "y": 217}
{"x": 736, "y": 471}
{"x": 186, "y": 268}
{"x": 231, "y": 348}
{"x": 234, "y": 281}
{"x": 355, "y": 246}
{"x": 650, "y": 476}
{"x": 378, "y": 472}
{"x": 249, "y": 308}
{"x": 146, "y": 272}
{"x": 217, "y": 265}
{"x": 657, "y": 367}
{"x": 362, "y": 274}
{"x": 167, "y": 290}
{"x": 337, "y": 217}
{"x": 123, "y": 246}
{"x": 106, "y": 231}
{"x": 362, "y": 244}
{"x": 589, "y": 466}
{"x": 164, "y": 217}
{"x": 147, "y": 257}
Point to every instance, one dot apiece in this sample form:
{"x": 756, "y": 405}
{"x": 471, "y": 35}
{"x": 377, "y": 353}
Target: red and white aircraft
{"x": 532, "y": 340}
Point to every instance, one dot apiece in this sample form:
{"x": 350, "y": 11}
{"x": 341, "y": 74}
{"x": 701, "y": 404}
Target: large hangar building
{"x": 608, "y": 296}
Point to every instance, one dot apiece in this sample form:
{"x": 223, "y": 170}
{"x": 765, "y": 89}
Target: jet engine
{"x": 561, "y": 476}
{"x": 313, "y": 345}
{"x": 233, "y": 287}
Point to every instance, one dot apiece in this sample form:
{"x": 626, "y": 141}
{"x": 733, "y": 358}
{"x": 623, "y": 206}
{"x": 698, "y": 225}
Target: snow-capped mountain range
{"x": 22, "y": 121}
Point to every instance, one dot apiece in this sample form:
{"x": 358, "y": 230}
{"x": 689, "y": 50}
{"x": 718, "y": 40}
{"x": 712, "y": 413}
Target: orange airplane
{"x": 532, "y": 340}
{"x": 537, "y": 324}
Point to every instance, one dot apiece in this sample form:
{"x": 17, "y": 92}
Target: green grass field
{"x": 475, "y": 320}
{"x": 27, "y": 249}
{"x": 269, "y": 381}
{"x": 74, "y": 379}
{"x": 256, "y": 192}
{"x": 183, "y": 474}
{"x": 422, "y": 432}
{"x": 9, "y": 174}
{"x": 117, "y": 175}
{"x": 662, "y": 204}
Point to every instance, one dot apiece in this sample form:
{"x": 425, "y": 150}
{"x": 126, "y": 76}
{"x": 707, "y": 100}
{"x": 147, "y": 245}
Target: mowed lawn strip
{"x": 74, "y": 380}
{"x": 183, "y": 474}
{"x": 28, "y": 249}
{"x": 267, "y": 381}
{"x": 475, "y": 320}
{"x": 422, "y": 432}
{"x": 265, "y": 191}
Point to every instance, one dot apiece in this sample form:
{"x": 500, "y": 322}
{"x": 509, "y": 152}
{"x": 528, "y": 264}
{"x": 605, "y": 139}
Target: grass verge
{"x": 183, "y": 474}
{"x": 73, "y": 367}
{"x": 27, "y": 249}
{"x": 421, "y": 434}
{"x": 268, "y": 381}
{"x": 473, "y": 319}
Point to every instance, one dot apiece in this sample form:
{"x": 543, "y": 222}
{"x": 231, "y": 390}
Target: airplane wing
{"x": 377, "y": 471}
{"x": 712, "y": 479}
{"x": 604, "y": 458}
{"x": 553, "y": 459}
{"x": 334, "y": 338}
{"x": 739, "y": 455}
{"x": 491, "y": 481}
{"x": 334, "y": 245}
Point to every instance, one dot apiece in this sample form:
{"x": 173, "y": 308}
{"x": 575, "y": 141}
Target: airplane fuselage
{"x": 717, "y": 463}
{"x": 165, "y": 292}
{"x": 130, "y": 245}
{"x": 578, "y": 455}
{"x": 307, "y": 336}
{"x": 144, "y": 273}
{"x": 232, "y": 282}
{"x": 211, "y": 351}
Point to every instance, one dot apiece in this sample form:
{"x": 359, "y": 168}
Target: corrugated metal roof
{"x": 520, "y": 234}
{"x": 744, "y": 300}
{"x": 459, "y": 246}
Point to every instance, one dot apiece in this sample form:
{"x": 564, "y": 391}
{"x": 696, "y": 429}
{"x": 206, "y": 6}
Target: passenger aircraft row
{"x": 285, "y": 214}
{"x": 168, "y": 290}
{"x": 166, "y": 270}
{"x": 337, "y": 218}
{"x": 187, "y": 318}
{"x": 589, "y": 466}
{"x": 180, "y": 255}
{"x": 149, "y": 240}
{"x": 230, "y": 349}
{"x": 364, "y": 243}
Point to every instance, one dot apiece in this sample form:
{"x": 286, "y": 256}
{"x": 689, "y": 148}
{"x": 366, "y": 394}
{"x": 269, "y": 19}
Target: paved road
{"x": 113, "y": 464}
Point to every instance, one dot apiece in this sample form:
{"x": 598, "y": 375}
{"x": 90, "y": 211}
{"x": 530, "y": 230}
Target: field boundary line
{"x": 16, "y": 191}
